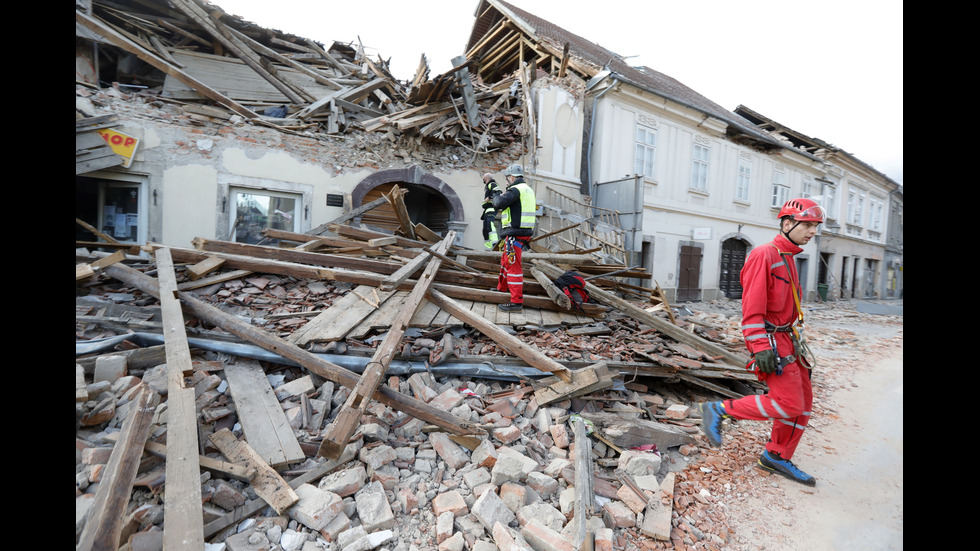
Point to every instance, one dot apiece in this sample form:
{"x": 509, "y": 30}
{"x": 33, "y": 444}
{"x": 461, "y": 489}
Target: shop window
{"x": 115, "y": 208}
{"x": 256, "y": 211}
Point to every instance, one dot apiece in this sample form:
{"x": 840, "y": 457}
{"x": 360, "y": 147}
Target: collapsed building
{"x": 282, "y": 312}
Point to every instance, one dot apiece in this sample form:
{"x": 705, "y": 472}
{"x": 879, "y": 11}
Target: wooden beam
{"x": 266, "y": 482}
{"x": 349, "y": 416}
{"x": 232, "y": 470}
{"x": 122, "y": 42}
{"x": 348, "y": 216}
{"x": 105, "y": 523}
{"x": 394, "y": 280}
{"x": 643, "y": 316}
{"x": 220, "y": 32}
{"x": 96, "y": 231}
{"x": 263, "y": 420}
{"x": 582, "y": 538}
{"x": 288, "y": 351}
{"x": 519, "y": 348}
{"x": 183, "y": 525}
{"x": 375, "y": 279}
{"x": 397, "y": 200}
{"x": 552, "y": 290}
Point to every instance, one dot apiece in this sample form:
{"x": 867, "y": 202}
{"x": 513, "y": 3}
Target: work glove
{"x": 766, "y": 361}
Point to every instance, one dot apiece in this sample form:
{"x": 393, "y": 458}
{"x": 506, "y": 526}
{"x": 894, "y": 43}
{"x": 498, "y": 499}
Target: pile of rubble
{"x": 206, "y": 66}
{"x": 448, "y": 429}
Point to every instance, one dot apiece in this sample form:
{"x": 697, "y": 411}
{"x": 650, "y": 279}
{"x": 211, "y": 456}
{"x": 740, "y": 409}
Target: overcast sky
{"x": 831, "y": 70}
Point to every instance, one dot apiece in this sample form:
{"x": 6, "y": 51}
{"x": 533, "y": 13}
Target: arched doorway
{"x": 733, "y": 253}
{"x": 429, "y": 200}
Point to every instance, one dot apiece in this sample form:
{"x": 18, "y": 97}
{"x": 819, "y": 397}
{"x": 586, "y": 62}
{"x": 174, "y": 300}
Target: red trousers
{"x": 787, "y": 404}
{"x": 511, "y": 278}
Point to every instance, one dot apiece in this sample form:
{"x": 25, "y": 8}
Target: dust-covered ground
{"x": 853, "y": 446}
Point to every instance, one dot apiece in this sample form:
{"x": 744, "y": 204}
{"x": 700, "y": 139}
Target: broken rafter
{"x": 349, "y": 416}
{"x": 124, "y": 43}
{"x": 303, "y": 358}
{"x": 217, "y": 29}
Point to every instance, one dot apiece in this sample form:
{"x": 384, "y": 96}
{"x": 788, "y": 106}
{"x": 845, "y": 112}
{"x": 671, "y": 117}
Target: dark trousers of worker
{"x": 788, "y": 404}
{"x": 511, "y": 278}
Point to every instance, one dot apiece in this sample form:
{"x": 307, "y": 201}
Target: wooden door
{"x": 424, "y": 205}
{"x": 732, "y": 259}
{"x": 689, "y": 278}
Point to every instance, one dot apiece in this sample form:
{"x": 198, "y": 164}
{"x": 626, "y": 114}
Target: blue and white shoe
{"x": 785, "y": 467}
{"x": 712, "y": 414}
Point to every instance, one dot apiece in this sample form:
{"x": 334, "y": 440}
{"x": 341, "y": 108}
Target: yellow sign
{"x": 121, "y": 144}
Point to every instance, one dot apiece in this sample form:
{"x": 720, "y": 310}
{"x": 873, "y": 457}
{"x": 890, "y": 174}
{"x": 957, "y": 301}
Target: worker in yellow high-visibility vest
{"x": 518, "y": 208}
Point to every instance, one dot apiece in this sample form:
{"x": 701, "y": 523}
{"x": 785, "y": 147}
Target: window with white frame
{"x": 808, "y": 187}
{"x": 646, "y": 149}
{"x": 855, "y": 207}
{"x": 743, "y": 179}
{"x": 255, "y": 211}
{"x": 829, "y": 202}
{"x": 876, "y": 208}
{"x": 699, "y": 167}
{"x": 780, "y": 191}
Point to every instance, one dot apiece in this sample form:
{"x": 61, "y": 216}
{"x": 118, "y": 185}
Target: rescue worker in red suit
{"x": 518, "y": 207}
{"x": 770, "y": 312}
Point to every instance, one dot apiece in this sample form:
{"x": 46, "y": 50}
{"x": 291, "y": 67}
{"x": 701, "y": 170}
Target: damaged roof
{"x": 597, "y": 62}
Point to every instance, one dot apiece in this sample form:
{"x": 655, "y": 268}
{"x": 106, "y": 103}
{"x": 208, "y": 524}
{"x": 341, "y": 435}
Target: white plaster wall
{"x": 672, "y": 210}
{"x": 188, "y": 204}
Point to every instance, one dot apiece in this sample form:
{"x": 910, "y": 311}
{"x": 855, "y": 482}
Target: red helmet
{"x": 803, "y": 210}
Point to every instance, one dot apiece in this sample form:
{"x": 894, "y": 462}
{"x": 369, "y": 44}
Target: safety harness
{"x": 801, "y": 350}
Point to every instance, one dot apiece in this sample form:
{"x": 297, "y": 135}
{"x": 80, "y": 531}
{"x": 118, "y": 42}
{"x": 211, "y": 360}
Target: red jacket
{"x": 767, "y": 296}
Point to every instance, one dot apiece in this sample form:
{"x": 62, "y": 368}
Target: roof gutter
{"x": 749, "y": 131}
{"x": 595, "y": 101}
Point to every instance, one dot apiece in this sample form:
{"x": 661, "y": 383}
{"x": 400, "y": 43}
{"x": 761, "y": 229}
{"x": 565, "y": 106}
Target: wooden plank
{"x": 149, "y": 57}
{"x": 232, "y": 470}
{"x": 183, "y": 525}
{"x": 266, "y": 481}
{"x": 423, "y": 317}
{"x": 204, "y": 267}
{"x": 218, "y": 278}
{"x": 218, "y": 30}
{"x": 552, "y": 290}
{"x": 667, "y": 328}
{"x": 336, "y": 321}
{"x": 533, "y": 316}
{"x": 105, "y": 524}
{"x": 584, "y": 492}
{"x": 405, "y": 272}
{"x": 512, "y": 344}
{"x": 381, "y": 316}
{"x": 583, "y": 381}
{"x": 288, "y": 351}
{"x": 263, "y": 420}
{"x": 397, "y": 200}
{"x": 349, "y": 416}
{"x": 550, "y": 318}
{"x": 349, "y": 216}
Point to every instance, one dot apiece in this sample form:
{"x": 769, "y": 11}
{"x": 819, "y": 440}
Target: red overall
{"x": 511, "y": 278}
{"x": 766, "y": 295}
